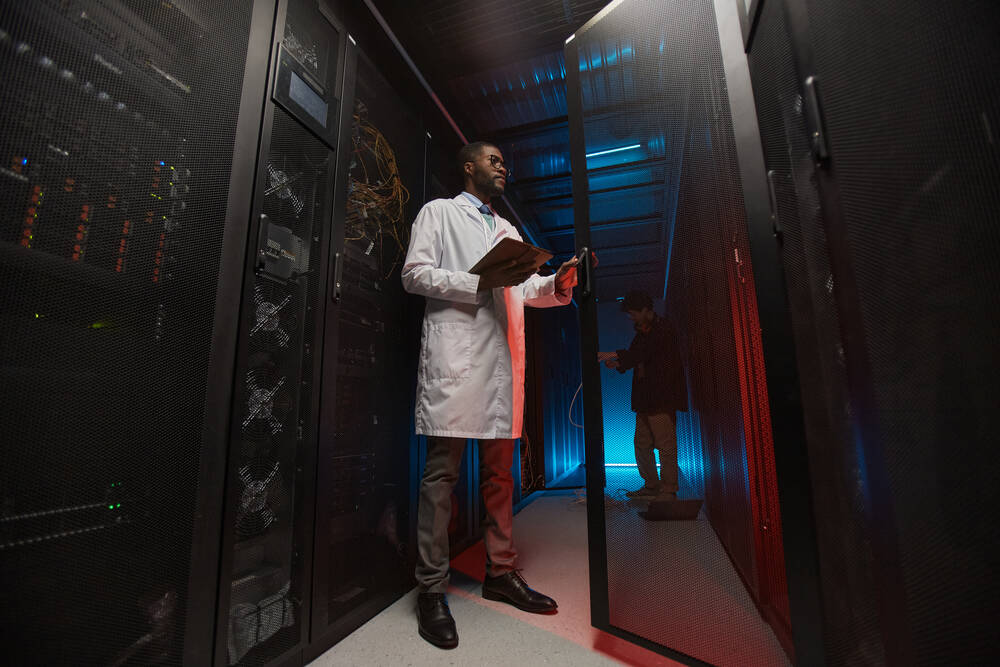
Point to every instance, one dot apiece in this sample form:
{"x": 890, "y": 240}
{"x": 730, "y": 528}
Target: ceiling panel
{"x": 499, "y": 68}
{"x": 522, "y": 93}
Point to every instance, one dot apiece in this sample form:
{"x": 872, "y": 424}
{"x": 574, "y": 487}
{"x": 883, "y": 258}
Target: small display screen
{"x": 303, "y": 95}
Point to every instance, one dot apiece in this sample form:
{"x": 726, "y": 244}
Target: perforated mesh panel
{"x": 276, "y": 412}
{"x": 852, "y": 632}
{"x": 910, "y": 121}
{"x": 655, "y": 106}
{"x": 364, "y": 515}
{"x": 113, "y": 186}
{"x": 912, "y": 111}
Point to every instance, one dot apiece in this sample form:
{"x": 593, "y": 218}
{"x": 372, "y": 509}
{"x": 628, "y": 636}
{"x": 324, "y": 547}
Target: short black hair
{"x": 637, "y": 300}
{"x": 471, "y": 153}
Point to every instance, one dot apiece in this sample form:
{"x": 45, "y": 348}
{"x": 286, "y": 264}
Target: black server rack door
{"x": 117, "y": 130}
{"x": 700, "y": 574}
{"x": 266, "y": 582}
{"x": 852, "y": 630}
{"x": 882, "y": 140}
{"x": 363, "y": 556}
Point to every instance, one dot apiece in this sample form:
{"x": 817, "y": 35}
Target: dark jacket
{"x": 658, "y": 383}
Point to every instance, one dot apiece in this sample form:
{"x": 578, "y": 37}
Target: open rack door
{"x": 659, "y": 175}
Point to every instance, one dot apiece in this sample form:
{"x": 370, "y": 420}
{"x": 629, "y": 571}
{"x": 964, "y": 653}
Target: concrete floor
{"x": 714, "y": 620}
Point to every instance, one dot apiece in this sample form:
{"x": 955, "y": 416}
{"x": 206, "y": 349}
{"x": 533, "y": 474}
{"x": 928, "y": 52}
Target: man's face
{"x": 488, "y": 172}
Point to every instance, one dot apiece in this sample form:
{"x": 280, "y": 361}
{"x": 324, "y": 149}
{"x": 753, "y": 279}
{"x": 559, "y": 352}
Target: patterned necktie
{"x": 487, "y": 215}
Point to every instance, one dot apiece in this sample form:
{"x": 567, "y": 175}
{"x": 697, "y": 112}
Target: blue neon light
{"x": 614, "y": 150}
{"x": 162, "y": 163}
{"x": 24, "y": 161}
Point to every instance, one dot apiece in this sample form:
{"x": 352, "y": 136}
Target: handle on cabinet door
{"x": 338, "y": 274}
{"x": 261, "y": 260}
{"x": 586, "y": 267}
{"x": 773, "y": 201}
{"x": 814, "y": 120}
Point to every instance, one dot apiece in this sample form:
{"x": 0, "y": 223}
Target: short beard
{"x": 489, "y": 187}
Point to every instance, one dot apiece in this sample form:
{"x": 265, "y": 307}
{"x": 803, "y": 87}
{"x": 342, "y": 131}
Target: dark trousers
{"x": 444, "y": 456}
{"x": 656, "y": 432}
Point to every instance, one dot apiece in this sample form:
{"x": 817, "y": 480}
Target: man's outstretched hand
{"x": 513, "y": 273}
{"x": 566, "y": 275}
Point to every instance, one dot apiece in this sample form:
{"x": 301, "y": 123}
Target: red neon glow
{"x": 769, "y": 546}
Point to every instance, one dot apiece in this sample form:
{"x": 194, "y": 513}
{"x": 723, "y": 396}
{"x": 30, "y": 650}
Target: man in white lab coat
{"x": 470, "y": 380}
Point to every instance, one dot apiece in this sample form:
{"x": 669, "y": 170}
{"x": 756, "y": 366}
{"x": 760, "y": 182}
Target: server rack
{"x": 882, "y": 168}
{"x": 265, "y": 587}
{"x": 363, "y": 551}
{"x": 120, "y": 204}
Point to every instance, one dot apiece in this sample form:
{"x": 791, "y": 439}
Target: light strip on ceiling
{"x": 614, "y": 150}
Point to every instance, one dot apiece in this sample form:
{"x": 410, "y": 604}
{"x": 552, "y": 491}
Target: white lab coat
{"x": 470, "y": 379}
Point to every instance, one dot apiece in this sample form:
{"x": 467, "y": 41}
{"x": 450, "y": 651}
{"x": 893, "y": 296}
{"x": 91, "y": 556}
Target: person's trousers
{"x": 496, "y": 484}
{"x": 656, "y": 432}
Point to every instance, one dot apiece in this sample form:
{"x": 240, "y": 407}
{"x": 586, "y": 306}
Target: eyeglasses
{"x": 497, "y": 163}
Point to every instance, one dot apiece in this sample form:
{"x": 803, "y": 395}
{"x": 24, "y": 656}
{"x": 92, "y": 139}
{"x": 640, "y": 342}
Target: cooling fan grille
{"x": 261, "y": 497}
{"x": 279, "y": 185}
{"x": 269, "y": 402}
{"x": 274, "y": 319}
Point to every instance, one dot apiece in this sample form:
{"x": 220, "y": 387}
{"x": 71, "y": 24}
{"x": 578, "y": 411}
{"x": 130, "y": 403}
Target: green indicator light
{"x": 111, "y": 507}
{"x": 118, "y": 505}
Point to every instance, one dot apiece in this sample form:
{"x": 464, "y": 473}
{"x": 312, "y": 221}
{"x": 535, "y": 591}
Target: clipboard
{"x": 511, "y": 249}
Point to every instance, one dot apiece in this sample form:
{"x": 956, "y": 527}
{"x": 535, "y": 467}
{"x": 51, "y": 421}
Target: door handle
{"x": 814, "y": 120}
{"x": 337, "y": 280}
{"x": 586, "y": 270}
{"x": 773, "y": 201}
{"x": 261, "y": 259}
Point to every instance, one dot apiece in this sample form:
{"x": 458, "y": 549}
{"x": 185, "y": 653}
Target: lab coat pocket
{"x": 447, "y": 352}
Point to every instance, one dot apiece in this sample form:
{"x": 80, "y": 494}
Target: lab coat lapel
{"x": 475, "y": 216}
{"x": 470, "y": 210}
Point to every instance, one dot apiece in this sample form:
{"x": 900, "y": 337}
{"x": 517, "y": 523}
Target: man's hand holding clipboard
{"x": 511, "y": 262}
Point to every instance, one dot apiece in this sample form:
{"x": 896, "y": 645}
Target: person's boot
{"x": 645, "y": 492}
{"x": 512, "y": 589}
{"x": 434, "y": 620}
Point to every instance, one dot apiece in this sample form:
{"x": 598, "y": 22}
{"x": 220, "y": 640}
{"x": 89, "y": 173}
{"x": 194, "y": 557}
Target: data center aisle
{"x": 551, "y": 536}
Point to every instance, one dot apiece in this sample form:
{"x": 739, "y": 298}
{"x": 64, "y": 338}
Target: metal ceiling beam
{"x": 529, "y": 129}
{"x": 566, "y": 176}
{"x": 604, "y": 191}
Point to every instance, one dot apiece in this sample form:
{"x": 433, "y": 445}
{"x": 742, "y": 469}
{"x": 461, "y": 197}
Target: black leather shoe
{"x": 434, "y": 620}
{"x": 512, "y": 589}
